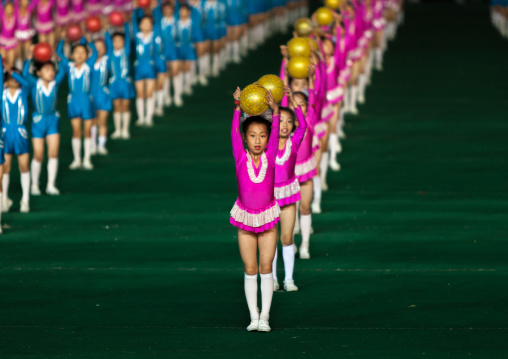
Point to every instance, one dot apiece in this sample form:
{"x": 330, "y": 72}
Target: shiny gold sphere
{"x": 324, "y": 16}
{"x": 298, "y": 67}
{"x": 299, "y": 46}
{"x": 252, "y": 100}
{"x": 273, "y": 83}
{"x": 303, "y": 26}
{"x": 334, "y": 4}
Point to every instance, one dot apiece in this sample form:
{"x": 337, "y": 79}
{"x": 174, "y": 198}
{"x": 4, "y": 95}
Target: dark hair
{"x": 291, "y": 114}
{"x": 185, "y": 6}
{"x": 39, "y": 65}
{"x": 8, "y": 75}
{"x": 115, "y": 34}
{"x": 303, "y": 95}
{"x": 74, "y": 47}
{"x": 149, "y": 17}
{"x": 256, "y": 119}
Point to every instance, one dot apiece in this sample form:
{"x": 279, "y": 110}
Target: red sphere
{"x": 93, "y": 24}
{"x": 42, "y": 52}
{"x": 144, "y": 3}
{"x": 74, "y": 33}
{"x": 116, "y": 18}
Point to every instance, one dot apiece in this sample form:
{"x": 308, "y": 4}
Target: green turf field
{"x": 137, "y": 258}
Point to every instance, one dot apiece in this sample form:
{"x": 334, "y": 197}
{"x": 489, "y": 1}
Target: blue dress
{"x": 101, "y": 100}
{"x": 185, "y": 40}
{"x": 146, "y": 51}
{"x": 120, "y": 80}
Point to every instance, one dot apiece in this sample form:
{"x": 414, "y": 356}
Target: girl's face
{"x": 300, "y": 102}
{"x": 13, "y": 84}
{"x": 299, "y": 85}
{"x": 286, "y": 124}
{"x": 79, "y": 55}
{"x": 47, "y": 73}
{"x": 9, "y": 9}
{"x": 256, "y": 138}
{"x": 168, "y": 11}
{"x": 184, "y": 13}
{"x": 118, "y": 42}
{"x": 146, "y": 25}
{"x": 24, "y": 3}
{"x": 328, "y": 49}
{"x": 101, "y": 48}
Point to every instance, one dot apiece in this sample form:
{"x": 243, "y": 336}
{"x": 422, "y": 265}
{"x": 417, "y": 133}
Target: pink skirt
{"x": 256, "y": 221}
{"x": 315, "y": 144}
{"x": 379, "y": 24}
{"x": 327, "y": 112}
{"x": 287, "y": 192}
{"x": 320, "y": 129}
{"x": 306, "y": 170}
{"x": 44, "y": 27}
{"x": 335, "y": 94}
{"x": 79, "y": 16}
{"x": 94, "y": 9}
{"x": 8, "y": 43}
{"x": 25, "y": 35}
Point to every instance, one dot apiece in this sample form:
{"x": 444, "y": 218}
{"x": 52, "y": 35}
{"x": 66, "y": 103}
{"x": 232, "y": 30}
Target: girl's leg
{"x": 87, "y": 126}
{"x": 126, "y": 119}
{"x": 362, "y": 79}
{"x": 6, "y": 201}
{"x": 216, "y": 58}
{"x": 306, "y": 190}
{"x": 11, "y": 57}
{"x": 24, "y": 170}
{"x": 53, "y": 143}
{"x": 76, "y": 143}
{"x": 102, "y": 119}
{"x": 1, "y": 175}
{"x": 117, "y": 118}
{"x": 267, "y": 242}
{"x": 247, "y": 242}
{"x": 93, "y": 134}
{"x": 323, "y": 164}
{"x": 159, "y": 94}
{"x": 51, "y": 39}
{"x": 353, "y": 88}
{"x": 316, "y": 203}
{"x": 150, "y": 102}
{"x": 334, "y": 138}
{"x": 35, "y": 167}
{"x": 166, "y": 86}
{"x": 287, "y": 225}
{"x": 140, "y": 102}
{"x": 176, "y": 69}
{"x": 187, "y": 77}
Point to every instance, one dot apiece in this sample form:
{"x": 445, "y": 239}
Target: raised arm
{"x": 93, "y": 57}
{"x": 32, "y": 80}
{"x": 273, "y": 142}
{"x": 236, "y": 136}
{"x": 60, "y": 75}
{"x": 135, "y": 21}
{"x": 302, "y": 126}
{"x": 64, "y": 61}
{"x": 127, "y": 39}
{"x": 108, "y": 42}
{"x": 20, "y": 80}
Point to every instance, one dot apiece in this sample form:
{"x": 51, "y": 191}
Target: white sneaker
{"x": 334, "y": 165}
{"x": 275, "y": 285}
{"x": 324, "y": 186}
{"x": 311, "y": 230}
{"x": 379, "y": 67}
{"x": 304, "y": 252}
{"x": 149, "y": 123}
{"x": 159, "y": 112}
{"x": 87, "y": 165}
{"x": 140, "y": 122}
{"x": 354, "y": 111}
{"x": 93, "y": 151}
{"x": 315, "y": 207}
{"x": 263, "y": 326}
{"x": 289, "y": 286}
{"x": 126, "y": 135}
{"x": 102, "y": 151}
{"x": 76, "y": 164}
{"x": 342, "y": 134}
{"x": 237, "y": 60}
{"x": 25, "y": 207}
{"x": 178, "y": 102}
{"x": 188, "y": 91}
{"x": 35, "y": 191}
{"x": 253, "y": 326}
{"x": 203, "y": 80}
{"x": 115, "y": 135}
{"x": 52, "y": 191}
{"x": 296, "y": 230}
{"x": 361, "y": 99}
{"x": 6, "y": 205}
{"x": 168, "y": 101}
{"x": 339, "y": 147}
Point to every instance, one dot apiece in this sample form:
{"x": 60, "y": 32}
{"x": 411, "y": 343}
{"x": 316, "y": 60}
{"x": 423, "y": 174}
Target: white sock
{"x": 126, "y": 121}
{"x": 166, "y": 88}
{"x": 193, "y": 71}
{"x": 332, "y": 143}
{"x": 35, "y": 170}
{"x": 150, "y": 104}
{"x": 178, "y": 84}
{"x": 215, "y": 64}
{"x": 102, "y": 141}
{"x": 140, "y": 108}
{"x": 227, "y": 52}
{"x": 160, "y": 100}
{"x": 5, "y": 186}
{"x": 323, "y": 166}
{"x": 236, "y": 50}
{"x": 378, "y": 53}
{"x": 202, "y": 65}
{"x": 87, "y": 147}
{"x": 244, "y": 45}
{"x": 274, "y": 264}
{"x": 117, "y": 119}
{"x": 76, "y": 149}
{"x": 362, "y": 84}
{"x": 187, "y": 81}
{"x": 25, "y": 186}
{"x": 52, "y": 171}
{"x": 316, "y": 181}
{"x": 297, "y": 219}
{"x": 305, "y": 225}
{"x": 288, "y": 253}
{"x": 93, "y": 137}
{"x": 266, "y": 295}
{"x": 251, "y": 293}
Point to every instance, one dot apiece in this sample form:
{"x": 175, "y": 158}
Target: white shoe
{"x": 296, "y": 230}
{"x": 102, "y": 151}
{"x": 1, "y": 232}
{"x": 149, "y": 123}
{"x": 188, "y": 91}
{"x": 342, "y": 134}
{"x": 159, "y": 112}
{"x": 354, "y": 111}
{"x": 311, "y": 230}
{"x": 275, "y": 285}
{"x": 203, "y": 81}
{"x": 76, "y": 164}
{"x": 25, "y": 207}
{"x": 339, "y": 147}
{"x": 253, "y": 326}
{"x": 6, "y": 205}
{"x": 168, "y": 101}
{"x": 263, "y": 326}
{"x": 115, "y": 135}
{"x": 93, "y": 151}
{"x": 87, "y": 165}
{"x": 237, "y": 60}
{"x": 289, "y": 286}
{"x": 35, "y": 191}
{"x": 361, "y": 99}
{"x": 335, "y": 166}
{"x": 324, "y": 186}
{"x": 140, "y": 122}
{"x": 178, "y": 102}
{"x": 126, "y": 135}
{"x": 316, "y": 207}
{"x": 379, "y": 67}
{"x": 304, "y": 252}
{"x": 52, "y": 191}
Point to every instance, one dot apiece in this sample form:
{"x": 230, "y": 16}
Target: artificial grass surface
{"x": 137, "y": 258}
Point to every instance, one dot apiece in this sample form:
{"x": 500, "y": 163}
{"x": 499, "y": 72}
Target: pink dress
{"x": 287, "y": 187}
{"x": 378, "y": 22}
{"x": 24, "y": 30}
{"x": 322, "y": 116}
{"x": 44, "y": 23}
{"x": 63, "y": 16}
{"x": 78, "y": 10}
{"x": 256, "y": 209}
{"x": 94, "y": 7}
{"x": 8, "y": 39}
{"x": 306, "y": 165}
{"x": 107, "y": 7}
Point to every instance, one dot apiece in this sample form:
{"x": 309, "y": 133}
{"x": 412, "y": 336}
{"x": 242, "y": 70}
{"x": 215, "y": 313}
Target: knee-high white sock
{"x": 150, "y": 104}
{"x": 35, "y": 170}
{"x": 187, "y": 81}
{"x": 347, "y": 100}
{"x": 362, "y": 85}
{"x": 93, "y": 137}
{"x": 323, "y": 166}
{"x": 76, "y": 149}
{"x": 378, "y": 53}
{"x": 117, "y": 119}
{"x": 178, "y": 86}
{"x": 274, "y": 264}
{"x": 228, "y": 52}
{"x": 251, "y": 293}
{"x": 244, "y": 44}
{"x": 332, "y": 143}
{"x": 87, "y": 147}
{"x": 297, "y": 219}
{"x": 316, "y": 181}
{"x": 215, "y": 65}
{"x": 305, "y": 225}
{"x": 160, "y": 100}
{"x": 25, "y": 186}
{"x": 5, "y": 186}
{"x": 353, "y": 98}
{"x": 102, "y": 141}
{"x": 140, "y": 108}
{"x": 236, "y": 51}
{"x": 1, "y": 215}
{"x": 202, "y": 65}
{"x": 126, "y": 122}
{"x": 52, "y": 171}
{"x": 288, "y": 253}
{"x": 266, "y": 295}
{"x": 193, "y": 72}
{"x": 166, "y": 90}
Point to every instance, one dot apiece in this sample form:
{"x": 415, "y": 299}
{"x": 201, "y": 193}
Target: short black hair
{"x": 75, "y": 46}
{"x": 118, "y": 33}
{"x": 302, "y": 95}
{"x": 256, "y": 119}
{"x": 39, "y": 65}
{"x": 149, "y": 17}
{"x": 8, "y": 75}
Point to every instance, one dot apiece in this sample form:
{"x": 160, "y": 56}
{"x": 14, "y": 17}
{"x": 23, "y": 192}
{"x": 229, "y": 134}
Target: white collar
{"x": 262, "y": 172}
{"x": 280, "y": 161}
{"x": 79, "y": 72}
{"x": 10, "y": 97}
{"x": 46, "y": 90}
{"x": 146, "y": 39}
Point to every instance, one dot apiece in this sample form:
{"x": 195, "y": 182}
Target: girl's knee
{"x": 251, "y": 270}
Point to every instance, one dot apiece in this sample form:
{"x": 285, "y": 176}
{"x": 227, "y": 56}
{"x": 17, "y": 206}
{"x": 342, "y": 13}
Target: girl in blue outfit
{"x": 160, "y": 62}
{"x": 186, "y": 38}
{"x": 121, "y": 88}
{"x": 237, "y": 19}
{"x": 15, "y": 135}
{"x": 79, "y": 104}
{"x": 212, "y": 29}
{"x": 168, "y": 31}
{"x": 45, "y": 121}
{"x": 201, "y": 43}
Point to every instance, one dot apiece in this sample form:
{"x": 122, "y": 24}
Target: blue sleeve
{"x": 1, "y": 75}
{"x": 60, "y": 74}
{"x": 135, "y": 21}
{"x": 157, "y": 15}
{"x": 64, "y": 61}
{"x": 21, "y": 80}
{"x": 32, "y": 80}
{"x": 108, "y": 41}
{"x": 93, "y": 58}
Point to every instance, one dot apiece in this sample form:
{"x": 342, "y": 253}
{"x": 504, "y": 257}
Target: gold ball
{"x": 252, "y": 100}
{"x": 303, "y": 26}
{"x": 273, "y": 83}
{"x": 324, "y": 16}
{"x": 298, "y": 67}
{"x": 333, "y": 4}
{"x": 313, "y": 44}
{"x": 299, "y": 46}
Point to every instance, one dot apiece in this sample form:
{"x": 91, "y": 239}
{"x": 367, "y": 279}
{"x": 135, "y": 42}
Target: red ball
{"x": 144, "y": 3}
{"x": 74, "y": 33}
{"x": 42, "y": 52}
{"x": 93, "y": 24}
{"x": 116, "y": 18}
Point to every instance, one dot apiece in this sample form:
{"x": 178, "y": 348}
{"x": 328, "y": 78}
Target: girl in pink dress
{"x": 287, "y": 187}
{"x": 78, "y": 11}
{"x": 63, "y": 15}
{"x": 8, "y": 41}
{"x": 24, "y": 29}
{"x": 256, "y": 212}
{"x": 44, "y": 24}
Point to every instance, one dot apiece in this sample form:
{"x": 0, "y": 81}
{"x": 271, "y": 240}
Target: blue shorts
{"x": 121, "y": 89}
{"x": 186, "y": 53}
{"x": 170, "y": 52}
{"x": 16, "y": 140}
{"x": 144, "y": 71}
{"x": 80, "y": 106}
{"x": 101, "y": 101}
{"x": 45, "y": 125}
{"x": 235, "y": 19}
{"x": 160, "y": 65}
{"x": 212, "y": 33}
{"x": 2, "y": 157}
